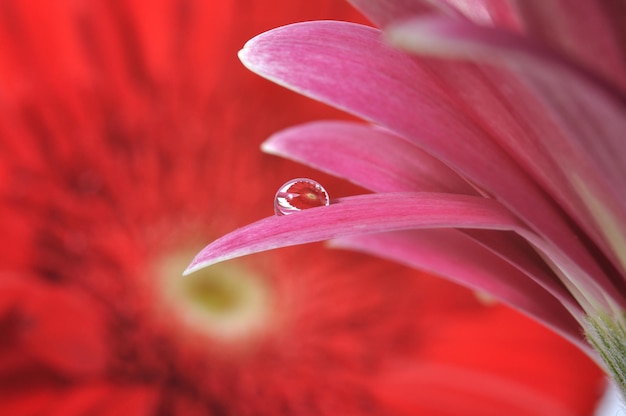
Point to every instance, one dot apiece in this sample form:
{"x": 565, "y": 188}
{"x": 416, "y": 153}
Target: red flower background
{"x": 129, "y": 137}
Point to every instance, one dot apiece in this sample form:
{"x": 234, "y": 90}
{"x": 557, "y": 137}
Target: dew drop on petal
{"x": 299, "y": 194}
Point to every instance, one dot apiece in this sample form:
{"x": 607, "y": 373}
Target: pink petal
{"x": 383, "y": 162}
{"x": 349, "y": 67}
{"x": 583, "y": 29}
{"x": 593, "y": 32}
{"x": 455, "y": 256}
{"x": 488, "y": 12}
{"x": 382, "y": 12}
{"x": 358, "y": 215}
{"x": 370, "y": 157}
{"x": 375, "y": 213}
{"x": 505, "y": 109}
{"x": 590, "y": 154}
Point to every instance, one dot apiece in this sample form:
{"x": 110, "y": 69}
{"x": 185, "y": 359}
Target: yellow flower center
{"x": 225, "y": 301}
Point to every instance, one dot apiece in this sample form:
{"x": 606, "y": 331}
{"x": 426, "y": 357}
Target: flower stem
{"x": 608, "y": 336}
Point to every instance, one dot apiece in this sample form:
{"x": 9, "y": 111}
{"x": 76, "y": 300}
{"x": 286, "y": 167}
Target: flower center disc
{"x": 224, "y": 301}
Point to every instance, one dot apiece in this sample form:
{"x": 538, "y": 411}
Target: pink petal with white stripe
{"x": 383, "y": 162}
{"x": 455, "y": 256}
{"x": 590, "y": 153}
{"x": 376, "y": 213}
{"x": 349, "y": 67}
{"x": 359, "y": 215}
{"x": 366, "y": 155}
{"x": 583, "y": 29}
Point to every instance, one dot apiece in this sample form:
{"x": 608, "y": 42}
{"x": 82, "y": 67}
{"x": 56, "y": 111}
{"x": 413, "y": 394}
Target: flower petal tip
{"x": 268, "y": 146}
{"x": 194, "y": 266}
{"x": 251, "y": 55}
{"x": 243, "y": 54}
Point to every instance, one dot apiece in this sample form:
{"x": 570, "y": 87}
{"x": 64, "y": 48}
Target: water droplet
{"x": 299, "y": 194}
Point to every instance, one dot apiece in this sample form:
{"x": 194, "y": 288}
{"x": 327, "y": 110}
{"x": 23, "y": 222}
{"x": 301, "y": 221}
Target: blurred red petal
{"x": 522, "y": 335}
{"x": 94, "y": 399}
{"x": 59, "y": 327}
{"x": 519, "y": 385}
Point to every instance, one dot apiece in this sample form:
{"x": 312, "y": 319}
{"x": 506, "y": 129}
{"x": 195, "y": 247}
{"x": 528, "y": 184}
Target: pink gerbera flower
{"x": 495, "y": 148}
{"x": 127, "y": 134}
